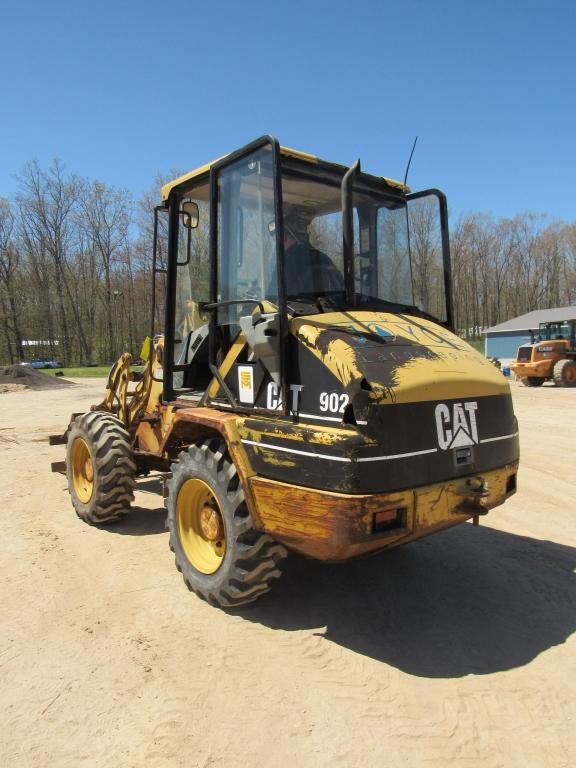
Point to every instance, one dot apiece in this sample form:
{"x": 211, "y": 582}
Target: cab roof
{"x": 285, "y": 151}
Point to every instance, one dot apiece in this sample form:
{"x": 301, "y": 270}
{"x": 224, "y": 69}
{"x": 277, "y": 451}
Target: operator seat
{"x": 310, "y": 272}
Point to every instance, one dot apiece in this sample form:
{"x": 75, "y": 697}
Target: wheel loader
{"x": 307, "y": 392}
{"x": 551, "y": 358}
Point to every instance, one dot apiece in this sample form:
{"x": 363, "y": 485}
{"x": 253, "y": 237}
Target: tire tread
{"x": 115, "y": 468}
{"x": 559, "y": 373}
{"x": 257, "y": 555}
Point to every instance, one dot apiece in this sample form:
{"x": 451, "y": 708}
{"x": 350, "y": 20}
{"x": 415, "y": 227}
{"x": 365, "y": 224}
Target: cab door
{"x": 248, "y": 317}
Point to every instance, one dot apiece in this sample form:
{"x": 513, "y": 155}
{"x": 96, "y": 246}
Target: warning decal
{"x": 246, "y": 384}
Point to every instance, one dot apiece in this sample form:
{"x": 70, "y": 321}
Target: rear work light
{"x": 389, "y": 520}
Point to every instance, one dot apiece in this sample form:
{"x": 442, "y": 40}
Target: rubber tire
{"x": 110, "y": 447}
{"x": 559, "y": 373}
{"x": 252, "y": 559}
{"x": 533, "y": 381}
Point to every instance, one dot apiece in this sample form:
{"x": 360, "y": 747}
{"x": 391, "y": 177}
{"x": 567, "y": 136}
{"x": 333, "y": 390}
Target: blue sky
{"x": 120, "y": 90}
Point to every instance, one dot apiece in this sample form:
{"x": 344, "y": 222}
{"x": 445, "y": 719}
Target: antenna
{"x": 410, "y": 160}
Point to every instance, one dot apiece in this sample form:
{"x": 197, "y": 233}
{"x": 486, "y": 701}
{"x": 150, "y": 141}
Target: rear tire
{"x": 221, "y": 556}
{"x": 100, "y": 467}
{"x": 565, "y": 373}
{"x": 533, "y": 381}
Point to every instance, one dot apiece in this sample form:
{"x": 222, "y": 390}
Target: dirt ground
{"x": 456, "y": 650}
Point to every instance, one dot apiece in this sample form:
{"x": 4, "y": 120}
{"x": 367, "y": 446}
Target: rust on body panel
{"x": 187, "y": 423}
{"x": 179, "y": 426}
{"x": 335, "y": 526}
{"x": 323, "y": 524}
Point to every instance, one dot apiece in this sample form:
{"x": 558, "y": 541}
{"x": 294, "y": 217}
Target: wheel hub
{"x": 201, "y": 527}
{"x": 82, "y": 470}
{"x": 211, "y": 523}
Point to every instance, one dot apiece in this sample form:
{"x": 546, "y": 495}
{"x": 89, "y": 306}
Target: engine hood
{"x": 383, "y": 358}
{"x": 382, "y": 402}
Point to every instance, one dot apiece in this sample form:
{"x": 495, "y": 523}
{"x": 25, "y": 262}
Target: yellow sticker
{"x": 246, "y": 384}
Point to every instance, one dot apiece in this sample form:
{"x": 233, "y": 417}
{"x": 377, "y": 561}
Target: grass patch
{"x": 94, "y": 372}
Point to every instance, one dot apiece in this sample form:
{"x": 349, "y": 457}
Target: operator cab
{"x": 557, "y": 331}
{"x": 268, "y": 234}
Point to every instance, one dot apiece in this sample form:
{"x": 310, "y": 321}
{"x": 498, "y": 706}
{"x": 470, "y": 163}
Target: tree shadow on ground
{"x": 468, "y": 601}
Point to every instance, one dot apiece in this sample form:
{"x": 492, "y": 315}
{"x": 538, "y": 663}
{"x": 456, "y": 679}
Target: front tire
{"x": 221, "y": 556}
{"x": 565, "y": 373}
{"x": 100, "y": 467}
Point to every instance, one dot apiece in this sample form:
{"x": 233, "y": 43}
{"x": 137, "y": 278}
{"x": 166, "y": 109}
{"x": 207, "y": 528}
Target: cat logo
{"x": 456, "y": 425}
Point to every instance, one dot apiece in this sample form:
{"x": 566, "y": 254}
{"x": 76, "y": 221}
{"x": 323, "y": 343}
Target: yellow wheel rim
{"x": 200, "y": 526}
{"x": 570, "y": 373}
{"x": 82, "y": 470}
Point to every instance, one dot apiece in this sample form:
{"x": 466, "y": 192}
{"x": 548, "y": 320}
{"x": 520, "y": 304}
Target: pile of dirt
{"x": 29, "y": 377}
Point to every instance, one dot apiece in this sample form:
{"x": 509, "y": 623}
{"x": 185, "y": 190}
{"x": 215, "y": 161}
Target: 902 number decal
{"x": 332, "y": 402}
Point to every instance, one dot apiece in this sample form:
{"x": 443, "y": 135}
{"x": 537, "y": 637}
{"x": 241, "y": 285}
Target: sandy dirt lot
{"x": 456, "y": 650}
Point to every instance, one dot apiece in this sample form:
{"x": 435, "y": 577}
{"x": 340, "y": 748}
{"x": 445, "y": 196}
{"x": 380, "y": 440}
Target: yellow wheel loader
{"x": 551, "y": 358}
{"x": 307, "y": 392}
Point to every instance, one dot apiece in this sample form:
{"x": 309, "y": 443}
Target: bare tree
{"x": 76, "y": 265}
{"x": 46, "y": 202}
{"x": 10, "y": 284}
{"x": 104, "y": 218}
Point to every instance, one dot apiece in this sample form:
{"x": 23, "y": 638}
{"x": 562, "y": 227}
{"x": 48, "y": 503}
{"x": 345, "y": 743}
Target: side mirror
{"x": 190, "y": 214}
